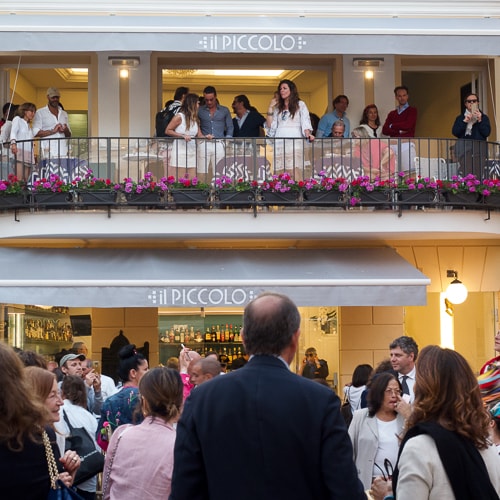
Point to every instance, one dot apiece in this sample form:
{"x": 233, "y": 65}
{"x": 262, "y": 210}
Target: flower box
{"x": 190, "y": 198}
{"x": 104, "y": 197}
{"x": 417, "y": 196}
{"x": 237, "y": 199}
{"x": 374, "y": 198}
{"x": 461, "y": 198}
{"x": 145, "y": 198}
{"x": 493, "y": 200}
{"x": 51, "y": 199}
{"x": 12, "y": 200}
{"x": 278, "y": 198}
{"x": 324, "y": 198}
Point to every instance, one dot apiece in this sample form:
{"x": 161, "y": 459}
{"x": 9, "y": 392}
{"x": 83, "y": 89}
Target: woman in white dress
{"x": 288, "y": 117}
{"x": 22, "y": 131}
{"x": 370, "y": 121}
{"x": 184, "y": 125}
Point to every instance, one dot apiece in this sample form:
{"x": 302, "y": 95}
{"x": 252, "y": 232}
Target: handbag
{"x": 346, "y": 410}
{"x": 58, "y": 490}
{"x": 92, "y": 460}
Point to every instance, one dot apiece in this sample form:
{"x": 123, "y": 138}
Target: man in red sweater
{"x": 400, "y": 123}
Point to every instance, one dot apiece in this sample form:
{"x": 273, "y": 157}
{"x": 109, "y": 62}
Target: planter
{"x": 104, "y": 197}
{"x": 332, "y": 198}
{"x": 12, "y": 200}
{"x": 276, "y": 198}
{"x": 145, "y": 199}
{"x": 237, "y": 199}
{"x": 375, "y": 198}
{"x": 461, "y": 199}
{"x": 60, "y": 200}
{"x": 493, "y": 200}
{"x": 190, "y": 198}
{"x": 417, "y": 197}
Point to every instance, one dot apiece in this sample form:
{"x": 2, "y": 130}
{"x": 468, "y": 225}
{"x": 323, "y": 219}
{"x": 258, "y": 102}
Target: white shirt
{"x": 45, "y": 120}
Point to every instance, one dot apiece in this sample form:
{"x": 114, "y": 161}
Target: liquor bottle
{"x": 214, "y": 335}
{"x": 222, "y": 336}
{"x": 231, "y": 333}
{"x": 171, "y": 335}
{"x": 217, "y": 332}
{"x": 208, "y": 335}
{"x": 182, "y": 337}
{"x": 177, "y": 335}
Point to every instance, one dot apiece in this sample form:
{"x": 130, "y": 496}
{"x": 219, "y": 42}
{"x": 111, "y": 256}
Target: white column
{"x": 140, "y": 119}
{"x": 108, "y": 99}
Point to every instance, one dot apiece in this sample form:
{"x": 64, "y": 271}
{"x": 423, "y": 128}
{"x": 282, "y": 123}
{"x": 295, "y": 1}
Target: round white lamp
{"x": 456, "y": 292}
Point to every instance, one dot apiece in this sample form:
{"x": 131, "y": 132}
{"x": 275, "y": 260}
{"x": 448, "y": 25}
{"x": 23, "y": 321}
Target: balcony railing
{"x": 258, "y": 159}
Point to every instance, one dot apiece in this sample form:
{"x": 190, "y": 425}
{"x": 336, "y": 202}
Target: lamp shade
{"x": 456, "y": 292}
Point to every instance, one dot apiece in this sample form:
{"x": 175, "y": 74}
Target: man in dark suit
{"x": 248, "y": 122}
{"x": 263, "y": 432}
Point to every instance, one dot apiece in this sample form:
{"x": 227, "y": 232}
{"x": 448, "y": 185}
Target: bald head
{"x": 269, "y": 324}
{"x": 203, "y": 369}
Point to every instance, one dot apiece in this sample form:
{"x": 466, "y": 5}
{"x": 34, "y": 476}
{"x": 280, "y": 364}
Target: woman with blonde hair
{"x": 23, "y": 463}
{"x": 446, "y": 452}
{"x": 21, "y": 139}
{"x": 140, "y": 458}
{"x": 184, "y": 125}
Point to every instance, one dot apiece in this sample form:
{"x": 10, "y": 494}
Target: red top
{"x": 401, "y": 125}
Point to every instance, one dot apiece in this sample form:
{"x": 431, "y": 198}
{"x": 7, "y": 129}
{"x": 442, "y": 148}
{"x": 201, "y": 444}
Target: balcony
{"x": 330, "y": 173}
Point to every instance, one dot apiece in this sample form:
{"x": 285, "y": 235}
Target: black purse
{"x": 92, "y": 460}
{"x": 346, "y": 410}
{"x": 58, "y": 490}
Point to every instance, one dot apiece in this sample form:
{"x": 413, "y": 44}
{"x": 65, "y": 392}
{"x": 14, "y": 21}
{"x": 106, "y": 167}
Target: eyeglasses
{"x": 284, "y": 115}
{"x": 310, "y": 354}
{"x": 389, "y": 469}
{"x": 396, "y": 392}
{"x": 471, "y": 101}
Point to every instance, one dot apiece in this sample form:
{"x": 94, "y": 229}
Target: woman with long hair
{"x": 374, "y": 430}
{"x": 446, "y": 451}
{"x": 184, "y": 125}
{"x": 123, "y": 407}
{"x": 140, "y": 458}
{"x": 21, "y": 139}
{"x": 25, "y": 416}
{"x": 370, "y": 121}
{"x": 288, "y": 117}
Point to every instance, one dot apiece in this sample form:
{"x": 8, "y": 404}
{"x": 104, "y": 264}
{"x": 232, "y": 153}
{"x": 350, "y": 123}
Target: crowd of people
{"x": 422, "y": 426}
{"x": 288, "y": 121}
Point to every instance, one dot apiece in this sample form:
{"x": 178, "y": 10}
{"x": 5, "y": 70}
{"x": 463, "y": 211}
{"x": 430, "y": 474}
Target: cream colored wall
{"x": 139, "y": 325}
{"x": 365, "y": 335}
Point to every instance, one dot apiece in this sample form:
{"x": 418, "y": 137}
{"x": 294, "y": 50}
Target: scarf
{"x": 473, "y": 120}
{"x": 461, "y": 460}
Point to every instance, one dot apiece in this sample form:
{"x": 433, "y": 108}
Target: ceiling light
{"x": 456, "y": 292}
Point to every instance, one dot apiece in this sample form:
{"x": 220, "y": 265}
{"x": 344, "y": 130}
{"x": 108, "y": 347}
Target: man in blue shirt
{"x": 215, "y": 123}
{"x": 340, "y": 105}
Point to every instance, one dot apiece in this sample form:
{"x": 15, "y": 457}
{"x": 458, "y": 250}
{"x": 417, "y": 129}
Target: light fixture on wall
{"x": 368, "y": 74}
{"x": 368, "y": 62}
{"x": 124, "y": 73}
{"x": 124, "y": 62}
{"x": 456, "y": 293}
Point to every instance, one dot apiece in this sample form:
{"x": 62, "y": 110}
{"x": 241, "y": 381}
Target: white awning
{"x": 206, "y": 278}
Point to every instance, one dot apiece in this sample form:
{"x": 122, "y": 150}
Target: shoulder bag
{"x": 346, "y": 409}
{"x": 58, "y": 490}
{"x": 92, "y": 460}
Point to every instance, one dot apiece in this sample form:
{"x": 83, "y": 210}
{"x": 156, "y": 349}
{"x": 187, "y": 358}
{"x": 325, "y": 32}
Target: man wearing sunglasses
{"x": 312, "y": 366}
{"x": 472, "y": 128}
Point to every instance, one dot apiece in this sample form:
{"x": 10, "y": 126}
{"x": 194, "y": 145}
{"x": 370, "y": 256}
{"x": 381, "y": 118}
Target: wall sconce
{"x": 456, "y": 293}
{"x": 124, "y": 73}
{"x": 369, "y": 74}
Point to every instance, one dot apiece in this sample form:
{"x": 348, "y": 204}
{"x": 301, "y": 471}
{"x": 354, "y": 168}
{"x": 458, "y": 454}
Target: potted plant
{"x": 281, "y": 189}
{"x": 188, "y": 192}
{"x": 95, "y": 190}
{"x": 52, "y": 191}
{"x": 234, "y": 192}
{"x": 490, "y": 191}
{"x": 12, "y": 192}
{"x": 364, "y": 191}
{"x": 417, "y": 190}
{"x": 146, "y": 191}
{"x": 324, "y": 190}
{"x": 463, "y": 190}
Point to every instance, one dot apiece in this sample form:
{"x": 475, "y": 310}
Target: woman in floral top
{"x": 124, "y": 406}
